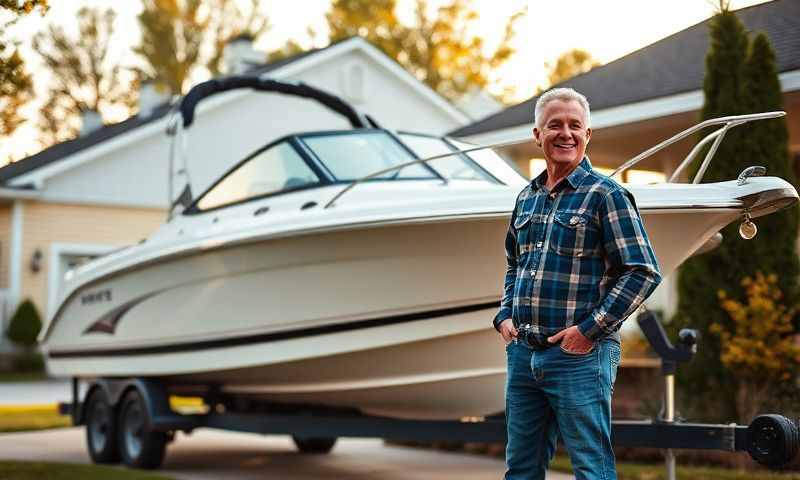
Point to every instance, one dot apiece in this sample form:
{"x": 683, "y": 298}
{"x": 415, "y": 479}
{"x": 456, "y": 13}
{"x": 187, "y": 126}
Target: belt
{"x": 533, "y": 340}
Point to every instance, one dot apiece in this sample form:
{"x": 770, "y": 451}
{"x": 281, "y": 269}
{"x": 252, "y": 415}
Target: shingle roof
{"x": 673, "y": 65}
{"x": 64, "y": 149}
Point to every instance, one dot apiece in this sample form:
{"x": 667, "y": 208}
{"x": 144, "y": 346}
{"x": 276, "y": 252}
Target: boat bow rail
{"x": 717, "y": 136}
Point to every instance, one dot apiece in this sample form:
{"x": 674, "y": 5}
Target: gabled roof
{"x": 64, "y": 149}
{"x": 673, "y": 65}
{"x": 59, "y": 152}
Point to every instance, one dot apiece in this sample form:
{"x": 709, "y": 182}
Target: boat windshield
{"x": 454, "y": 167}
{"x": 491, "y": 161}
{"x": 350, "y": 156}
{"x": 269, "y": 171}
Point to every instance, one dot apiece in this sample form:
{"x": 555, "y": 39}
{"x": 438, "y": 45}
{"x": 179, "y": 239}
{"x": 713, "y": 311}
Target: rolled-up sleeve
{"x": 507, "y": 303}
{"x": 633, "y": 267}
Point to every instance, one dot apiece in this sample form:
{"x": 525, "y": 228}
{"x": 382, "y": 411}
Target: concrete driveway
{"x": 212, "y": 454}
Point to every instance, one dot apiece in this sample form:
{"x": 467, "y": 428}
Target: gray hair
{"x": 563, "y": 94}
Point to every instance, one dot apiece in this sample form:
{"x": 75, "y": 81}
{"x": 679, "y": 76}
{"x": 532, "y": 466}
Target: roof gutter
{"x": 19, "y": 194}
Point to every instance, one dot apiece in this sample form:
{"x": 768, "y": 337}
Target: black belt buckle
{"x": 526, "y": 334}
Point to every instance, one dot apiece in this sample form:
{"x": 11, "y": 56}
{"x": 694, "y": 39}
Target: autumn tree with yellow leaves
{"x": 16, "y": 86}
{"x": 758, "y": 345}
{"x": 438, "y": 48}
{"x": 181, "y": 37}
{"x": 569, "y": 64}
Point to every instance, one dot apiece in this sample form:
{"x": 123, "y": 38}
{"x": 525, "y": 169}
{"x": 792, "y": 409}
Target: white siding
{"x": 135, "y": 175}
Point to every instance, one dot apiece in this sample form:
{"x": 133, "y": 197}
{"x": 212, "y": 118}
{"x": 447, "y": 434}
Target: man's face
{"x": 563, "y": 135}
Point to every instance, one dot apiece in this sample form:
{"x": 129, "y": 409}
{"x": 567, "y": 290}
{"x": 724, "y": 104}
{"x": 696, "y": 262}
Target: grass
{"x": 66, "y": 471}
{"x": 638, "y": 471}
{"x": 21, "y": 418}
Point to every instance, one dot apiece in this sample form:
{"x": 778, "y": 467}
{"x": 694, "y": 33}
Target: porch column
{"x": 14, "y": 261}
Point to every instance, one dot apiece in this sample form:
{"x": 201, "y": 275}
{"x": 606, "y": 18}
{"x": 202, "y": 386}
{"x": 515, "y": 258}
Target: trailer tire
{"x": 318, "y": 445}
{"x": 101, "y": 429}
{"x": 139, "y": 446}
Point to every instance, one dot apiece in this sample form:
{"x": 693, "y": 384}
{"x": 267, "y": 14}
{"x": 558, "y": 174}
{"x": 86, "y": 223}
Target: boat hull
{"x": 405, "y": 332}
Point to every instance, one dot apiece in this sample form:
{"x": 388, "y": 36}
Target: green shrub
{"x": 28, "y": 361}
{"x": 25, "y": 325}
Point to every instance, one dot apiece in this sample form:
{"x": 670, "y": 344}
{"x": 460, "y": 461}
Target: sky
{"x": 608, "y": 29}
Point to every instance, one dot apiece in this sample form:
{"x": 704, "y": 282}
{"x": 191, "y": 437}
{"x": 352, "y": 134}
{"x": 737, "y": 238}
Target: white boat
{"x": 356, "y": 269}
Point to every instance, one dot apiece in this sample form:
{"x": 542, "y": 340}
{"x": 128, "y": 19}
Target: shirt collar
{"x": 574, "y": 178}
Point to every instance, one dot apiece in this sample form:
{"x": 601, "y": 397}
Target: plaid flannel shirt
{"x": 578, "y": 255}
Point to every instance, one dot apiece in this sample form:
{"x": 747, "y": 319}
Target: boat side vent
{"x": 755, "y": 171}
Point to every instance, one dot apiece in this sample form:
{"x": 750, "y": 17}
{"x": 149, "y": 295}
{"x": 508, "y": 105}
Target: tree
{"x": 570, "y": 64}
{"x": 767, "y": 144}
{"x": 758, "y": 345}
{"x": 701, "y": 277}
{"x": 26, "y": 6}
{"x": 739, "y": 79}
{"x": 438, "y": 50}
{"x": 84, "y": 76}
{"x": 183, "y": 37}
{"x": 16, "y": 86}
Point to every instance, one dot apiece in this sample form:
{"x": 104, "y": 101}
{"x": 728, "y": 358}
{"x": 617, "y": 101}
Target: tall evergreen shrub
{"x": 738, "y": 80}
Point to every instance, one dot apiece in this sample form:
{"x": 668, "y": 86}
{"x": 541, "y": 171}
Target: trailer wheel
{"x": 101, "y": 429}
{"x": 318, "y": 445}
{"x": 140, "y": 447}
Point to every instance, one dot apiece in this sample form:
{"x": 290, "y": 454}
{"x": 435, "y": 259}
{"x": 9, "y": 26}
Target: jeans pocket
{"x": 573, "y": 354}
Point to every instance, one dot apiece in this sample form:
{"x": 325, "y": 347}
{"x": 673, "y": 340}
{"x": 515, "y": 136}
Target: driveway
{"x": 213, "y": 454}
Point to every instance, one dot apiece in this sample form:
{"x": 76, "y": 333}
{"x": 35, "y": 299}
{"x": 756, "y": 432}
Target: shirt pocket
{"x": 573, "y": 234}
{"x": 522, "y": 225}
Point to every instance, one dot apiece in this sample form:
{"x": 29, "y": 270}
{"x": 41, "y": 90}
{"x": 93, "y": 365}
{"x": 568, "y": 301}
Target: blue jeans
{"x": 552, "y": 391}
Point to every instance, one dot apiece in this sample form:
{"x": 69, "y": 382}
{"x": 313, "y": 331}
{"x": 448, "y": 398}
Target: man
{"x": 579, "y": 263}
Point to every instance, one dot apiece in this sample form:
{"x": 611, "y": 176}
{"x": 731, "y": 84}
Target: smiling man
{"x": 579, "y": 263}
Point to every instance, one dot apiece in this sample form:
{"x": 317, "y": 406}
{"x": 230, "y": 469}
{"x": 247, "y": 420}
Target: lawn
{"x": 636, "y": 471}
{"x": 66, "y": 471}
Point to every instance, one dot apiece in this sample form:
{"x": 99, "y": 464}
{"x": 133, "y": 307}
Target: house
{"x": 649, "y": 95}
{"x": 108, "y": 188}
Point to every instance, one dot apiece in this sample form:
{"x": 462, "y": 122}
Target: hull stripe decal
{"x": 272, "y": 337}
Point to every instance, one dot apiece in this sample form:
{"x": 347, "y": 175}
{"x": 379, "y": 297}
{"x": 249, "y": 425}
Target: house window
{"x": 644, "y": 177}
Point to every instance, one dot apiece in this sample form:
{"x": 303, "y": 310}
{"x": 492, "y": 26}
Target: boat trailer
{"x": 131, "y": 420}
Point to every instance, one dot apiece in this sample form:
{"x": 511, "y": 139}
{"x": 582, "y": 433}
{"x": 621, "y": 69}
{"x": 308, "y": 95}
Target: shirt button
{"x": 539, "y": 244}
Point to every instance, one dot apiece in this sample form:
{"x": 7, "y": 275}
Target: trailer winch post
{"x": 669, "y": 417}
{"x": 670, "y": 357}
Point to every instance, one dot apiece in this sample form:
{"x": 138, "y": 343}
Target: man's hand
{"x": 572, "y": 340}
{"x": 508, "y": 331}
